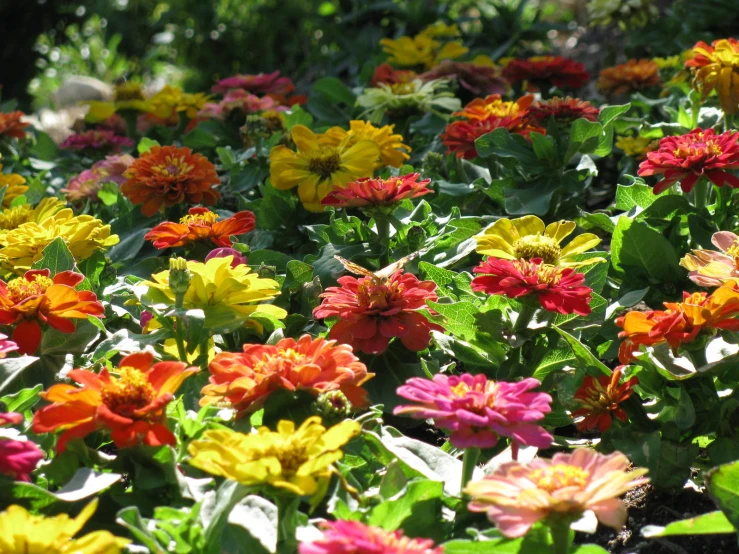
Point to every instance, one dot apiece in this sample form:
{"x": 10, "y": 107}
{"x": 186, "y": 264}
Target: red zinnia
{"x": 459, "y": 136}
{"x": 478, "y": 79}
{"x": 201, "y": 225}
{"x": 687, "y": 158}
{"x": 168, "y": 175}
{"x": 559, "y": 289}
{"x": 384, "y": 73}
{"x": 540, "y": 70}
{"x": 12, "y": 126}
{"x": 372, "y": 310}
{"x": 377, "y": 192}
{"x": 564, "y": 110}
{"x": 601, "y": 398}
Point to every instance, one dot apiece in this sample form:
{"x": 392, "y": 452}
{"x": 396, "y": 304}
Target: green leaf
{"x": 258, "y": 517}
{"x": 416, "y": 509}
{"x": 199, "y": 138}
{"x": 584, "y": 137}
{"x": 298, "y": 116}
{"x": 723, "y": 486}
{"x": 22, "y": 400}
{"x": 642, "y": 252}
{"x": 56, "y": 257}
{"x": 535, "y": 200}
{"x": 108, "y": 194}
{"x": 705, "y": 524}
{"x": 10, "y": 368}
{"x": 504, "y": 145}
{"x": 609, "y": 113}
{"x": 582, "y": 353}
{"x": 544, "y": 147}
{"x": 335, "y": 90}
{"x": 145, "y": 144}
{"x": 637, "y": 195}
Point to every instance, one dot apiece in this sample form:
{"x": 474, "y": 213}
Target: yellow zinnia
{"x": 16, "y": 186}
{"x": 392, "y": 150}
{"x": 716, "y": 67}
{"x": 24, "y": 533}
{"x": 637, "y": 147}
{"x": 528, "y": 238}
{"x": 315, "y": 169}
{"x": 299, "y": 461}
{"x": 83, "y": 234}
{"x": 169, "y": 101}
{"x": 12, "y": 218}
{"x": 126, "y": 96}
{"x": 227, "y": 295}
{"x": 421, "y": 50}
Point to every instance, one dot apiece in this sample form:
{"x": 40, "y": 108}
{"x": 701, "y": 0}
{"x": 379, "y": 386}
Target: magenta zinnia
{"x": 687, "y": 158}
{"x": 558, "y": 289}
{"x": 354, "y": 537}
{"x": 477, "y": 411}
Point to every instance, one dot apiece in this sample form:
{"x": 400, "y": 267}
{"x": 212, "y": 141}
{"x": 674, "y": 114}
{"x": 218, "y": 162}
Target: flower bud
{"x": 433, "y": 164}
{"x": 267, "y": 271}
{"x": 179, "y": 276}
{"x": 333, "y": 407}
{"x": 416, "y": 237}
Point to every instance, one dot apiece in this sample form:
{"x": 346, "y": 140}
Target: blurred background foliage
{"x": 191, "y": 43}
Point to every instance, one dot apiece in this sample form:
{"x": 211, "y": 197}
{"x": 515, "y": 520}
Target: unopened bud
{"x": 179, "y": 276}
{"x": 267, "y": 271}
{"x": 333, "y": 407}
{"x": 433, "y": 163}
{"x": 416, "y": 237}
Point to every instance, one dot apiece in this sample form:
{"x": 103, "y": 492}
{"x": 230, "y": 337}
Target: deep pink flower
{"x": 263, "y": 83}
{"x": 477, "y": 411}
{"x": 10, "y": 418}
{"x": 98, "y": 139}
{"x": 238, "y": 257}
{"x": 19, "y": 458}
{"x": 354, "y": 537}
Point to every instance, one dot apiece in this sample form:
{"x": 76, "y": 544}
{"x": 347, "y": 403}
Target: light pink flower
{"x": 10, "y": 418}
{"x": 354, "y": 537}
{"x": 5, "y": 347}
{"x": 516, "y": 496}
{"x": 710, "y": 268}
{"x": 478, "y": 411}
{"x": 87, "y": 184}
{"x": 19, "y": 458}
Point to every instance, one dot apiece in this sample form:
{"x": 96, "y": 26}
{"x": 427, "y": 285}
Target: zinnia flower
{"x": 226, "y": 294}
{"x": 407, "y": 98}
{"x": 459, "y": 136}
{"x": 421, "y": 50}
{"x": 244, "y": 380}
{"x": 637, "y": 147}
{"x": 527, "y": 238}
{"x": 558, "y": 289}
{"x": 687, "y": 158}
{"x": 15, "y": 186}
{"x": 384, "y": 73}
{"x": 477, "y": 411}
{"x": 480, "y": 80}
{"x": 87, "y": 184}
{"x": 168, "y": 175}
{"x": 98, "y": 139}
{"x": 236, "y": 257}
{"x": 83, "y": 234}
{"x": 201, "y": 225}
{"x": 371, "y": 311}
{"x": 681, "y": 322}
{"x": 18, "y": 458}
{"x": 12, "y": 126}
{"x": 716, "y": 67}
{"x": 131, "y": 405}
{"x": 494, "y": 105}
{"x": 24, "y": 301}
{"x": 262, "y": 83}
{"x": 542, "y": 71}
{"x": 516, "y": 496}
{"x": 169, "y": 102}
{"x": 299, "y": 461}
{"x": 600, "y": 399}
{"x": 709, "y": 268}
{"x": 374, "y": 193}
{"x": 5, "y": 347}
{"x": 628, "y": 77}
{"x": 12, "y": 218}
{"x": 316, "y": 169}
{"x": 23, "y": 533}
{"x": 392, "y": 150}
{"x": 563, "y": 110}
{"x": 354, "y": 537}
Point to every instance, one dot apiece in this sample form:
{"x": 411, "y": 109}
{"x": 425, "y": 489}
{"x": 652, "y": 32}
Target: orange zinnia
{"x": 131, "y": 406}
{"x": 201, "y": 225}
{"x": 12, "y": 126}
{"x": 168, "y": 175}
{"x": 629, "y": 77}
{"x": 245, "y": 379}
{"x": 494, "y": 105}
{"x": 24, "y": 301}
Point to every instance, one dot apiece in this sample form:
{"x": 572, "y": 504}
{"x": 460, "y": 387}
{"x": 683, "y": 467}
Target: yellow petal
{"x": 559, "y": 230}
{"x": 305, "y": 139}
{"x": 581, "y": 243}
{"x": 528, "y": 225}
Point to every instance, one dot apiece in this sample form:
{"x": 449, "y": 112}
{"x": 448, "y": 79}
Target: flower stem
{"x": 701, "y": 191}
{"x": 469, "y": 463}
{"x": 287, "y": 509}
{"x": 180, "y": 339}
{"x": 524, "y": 316}
{"x": 560, "y": 537}
{"x": 695, "y": 111}
{"x": 383, "y": 238}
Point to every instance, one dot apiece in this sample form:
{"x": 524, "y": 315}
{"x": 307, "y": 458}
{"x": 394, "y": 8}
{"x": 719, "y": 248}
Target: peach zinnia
{"x": 687, "y": 158}
{"x": 601, "y": 399}
{"x": 547, "y": 70}
{"x": 201, "y": 224}
{"x": 132, "y": 406}
{"x": 372, "y": 310}
{"x": 628, "y": 77}
{"x": 369, "y": 192}
{"x": 244, "y": 380}
{"x": 516, "y": 496}
{"x": 12, "y": 126}
{"x": 711, "y": 268}
{"x": 168, "y": 175}
{"x": 34, "y": 297}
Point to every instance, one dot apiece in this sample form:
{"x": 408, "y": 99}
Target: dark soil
{"x": 648, "y": 506}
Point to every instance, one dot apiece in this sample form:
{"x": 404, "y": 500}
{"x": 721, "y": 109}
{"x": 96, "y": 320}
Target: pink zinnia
{"x": 87, "y": 184}
{"x": 516, "y": 496}
{"x": 263, "y": 83}
{"x": 354, "y": 537}
{"x": 477, "y": 411}
{"x": 98, "y": 139}
{"x": 10, "y": 418}
{"x": 19, "y": 458}
{"x": 5, "y": 347}
{"x": 238, "y": 258}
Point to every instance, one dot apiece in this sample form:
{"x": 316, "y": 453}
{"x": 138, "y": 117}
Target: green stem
{"x": 560, "y": 537}
{"x": 383, "y": 237}
{"x": 524, "y": 317}
{"x": 701, "y": 191}
{"x": 728, "y": 121}
{"x": 287, "y": 509}
{"x": 180, "y": 339}
{"x": 469, "y": 463}
{"x": 695, "y": 111}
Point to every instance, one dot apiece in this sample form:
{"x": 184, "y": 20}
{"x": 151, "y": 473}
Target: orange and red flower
{"x": 371, "y": 192}
{"x": 629, "y": 77}
{"x": 494, "y": 105}
{"x": 558, "y": 289}
{"x": 601, "y": 399}
{"x": 244, "y": 380}
{"x": 24, "y": 301}
{"x": 132, "y": 406}
{"x": 384, "y": 73}
{"x": 168, "y": 175}
{"x": 201, "y": 224}
{"x": 12, "y": 126}
{"x": 539, "y": 71}
{"x": 687, "y": 158}
{"x": 564, "y": 110}
{"x": 681, "y": 322}
{"x": 372, "y": 310}
{"x": 716, "y": 67}
{"x": 459, "y": 136}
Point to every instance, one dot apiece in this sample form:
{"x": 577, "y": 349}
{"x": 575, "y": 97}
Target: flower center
{"x": 400, "y": 89}
{"x": 698, "y": 148}
{"x": 324, "y": 162}
{"x": 128, "y": 91}
{"x": 375, "y": 295}
{"x": 559, "y": 476}
{"x": 291, "y": 455}
{"x": 172, "y": 166}
{"x": 206, "y": 219}
{"x": 15, "y": 217}
{"x": 19, "y": 288}
{"x": 733, "y": 251}
{"x": 275, "y": 363}
{"x": 130, "y": 392}
{"x": 537, "y": 246}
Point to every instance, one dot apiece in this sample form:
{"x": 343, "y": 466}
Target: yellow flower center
{"x": 130, "y": 392}
{"x": 284, "y": 357}
{"x": 19, "y": 289}
{"x": 559, "y": 476}
{"x": 128, "y": 91}
{"x": 699, "y": 148}
{"x": 733, "y": 251}
{"x": 291, "y": 455}
{"x": 324, "y": 162}
{"x": 403, "y": 88}
{"x": 201, "y": 220}
{"x": 15, "y": 217}
{"x": 172, "y": 167}
{"x": 537, "y": 246}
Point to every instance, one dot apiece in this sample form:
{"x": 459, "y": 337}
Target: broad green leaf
{"x": 416, "y": 508}
{"x": 582, "y": 353}
{"x": 145, "y": 144}
{"x": 56, "y": 257}
{"x": 258, "y": 517}
{"x": 10, "y": 368}
{"x": 335, "y": 90}
{"x": 642, "y": 252}
{"x": 535, "y": 200}
{"x": 637, "y": 195}
{"x": 723, "y": 486}
{"x": 22, "y": 400}
{"x": 610, "y": 113}
{"x": 705, "y": 524}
